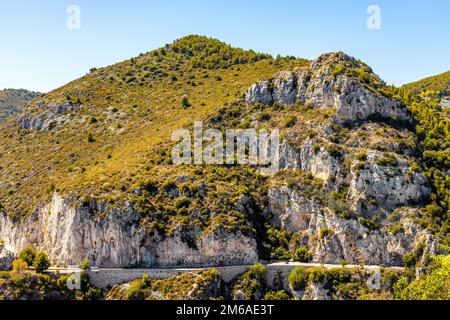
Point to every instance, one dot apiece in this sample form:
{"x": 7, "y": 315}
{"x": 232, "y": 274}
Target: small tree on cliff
{"x": 41, "y": 262}
{"x": 28, "y": 255}
{"x": 85, "y": 265}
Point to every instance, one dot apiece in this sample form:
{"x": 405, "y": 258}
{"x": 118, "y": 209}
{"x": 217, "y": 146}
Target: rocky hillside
{"x": 13, "y": 101}
{"x": 86, "y": 170}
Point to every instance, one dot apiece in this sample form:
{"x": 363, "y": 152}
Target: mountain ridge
{"x": 351, "y": 185}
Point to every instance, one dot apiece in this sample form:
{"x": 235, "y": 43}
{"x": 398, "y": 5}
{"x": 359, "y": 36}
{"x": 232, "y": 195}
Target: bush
{"x": 253, "y": 283}
{"x": 28, "y": 255}
{"x": 290, "y": 122}
{"x": 185, "y": 103}
{"x": 276, "y": 295}
{"x": 387, "y": 160}
{"x": 19, "y": 265}
{"x": 302, "y": 254}
{"x": 369, "y": 224}
{"x": 324, "y": 232}
{"x": 334, "y": 151}
{"x": 41, "y": 262}
{"x": 85, "y": 264}
{"x": 298, "y": 279}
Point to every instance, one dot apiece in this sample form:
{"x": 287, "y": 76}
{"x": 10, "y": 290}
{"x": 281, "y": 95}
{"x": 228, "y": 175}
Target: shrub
{"x": 302, "y": 254}
{"x": 298, "y": 279}
{"x": 19, "y": 265}
{"x": 28, "y": 255}
{"x": 85, "y": 264}
{"x": 387, "y": 160}
{"x": 362, "y": 156}
{"x": 369, "y": 224}
{"x": 324, "y": 232}
{"x": 290, "y": 122}
{"x": 276, "y": 295}
{"x": 185, "y": 103}
{"x": 41, "y": 262}
{"x": 334, "y": 151}
{"x": 90, "y": 138}
{"x": 252, "y": 283}
{"x": 135, "y": 290}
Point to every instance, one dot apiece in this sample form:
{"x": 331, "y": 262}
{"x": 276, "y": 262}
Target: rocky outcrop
{"x": 389, "y": 186}
{"x": 322, "y": 86}
{"x": 52, "y": 116}
{"x": 71, "y": 233}
{"x": 6, "y": 258}
{"x": 13, "y": 101}
{"x": 332, "y": 239}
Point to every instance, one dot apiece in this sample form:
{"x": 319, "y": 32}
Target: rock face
{"x": 70, "y": 234}
{"x": 50, "y": 117}
{"x": 375, "y": 184}
{"x": 345, "y": 239}
{"x": 6, "y": 258}
{"x": 13, "y": 101}
{"x": 322, "y": 86}
{"x": 390, "y": 187}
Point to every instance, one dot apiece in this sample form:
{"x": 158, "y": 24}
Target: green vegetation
{"x": 85, "y": 265}
{"x": 128, "y": 111}
{"x": 201, "y": 285}
{"x": 41, "y": 262}
{"x": 439, "y": 83}
{"x": 31, "y": 258}
{"x": 435, "y": 285}
{"x": 298, "y": 279}
{"x": 28, "y": 255}
{"x": 302, "y": 254}
{"x": 252, "y": 284}
{"x": 277, "y": 295}
{"x": 388, "y": 160}
{"x": 19, "y": 265}
{"x": 27, "y": 285}
{"x": 207, "y": 53}
{"x": 433, "y": 131}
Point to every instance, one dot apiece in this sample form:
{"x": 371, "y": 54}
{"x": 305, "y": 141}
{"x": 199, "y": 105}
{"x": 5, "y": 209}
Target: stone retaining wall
{"x": 105, "y": 278}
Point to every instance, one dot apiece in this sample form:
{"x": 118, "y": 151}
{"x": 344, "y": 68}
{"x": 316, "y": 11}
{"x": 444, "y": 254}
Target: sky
{"x": 40, "y": 52}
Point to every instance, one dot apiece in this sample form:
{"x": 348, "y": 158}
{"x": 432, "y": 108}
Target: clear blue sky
{"x": 38, "y": 52}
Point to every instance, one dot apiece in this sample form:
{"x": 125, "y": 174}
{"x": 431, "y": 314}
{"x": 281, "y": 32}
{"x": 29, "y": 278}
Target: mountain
{"x": 439, "y": 82}
{"x": 12, "y": 101}
{"x": 87, "y": 170}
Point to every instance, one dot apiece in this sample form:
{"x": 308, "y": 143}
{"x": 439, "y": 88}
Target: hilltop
{"x": 96, "y": 135}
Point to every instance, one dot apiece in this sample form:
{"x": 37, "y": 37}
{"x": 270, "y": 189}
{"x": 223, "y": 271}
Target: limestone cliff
{"x": 70, "y": 233}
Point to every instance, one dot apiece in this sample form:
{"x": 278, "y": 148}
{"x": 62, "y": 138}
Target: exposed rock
{"x": 6, "y": 258}
{"x": 260, "y": 93}
{"x": 13, "y": 101}
{"x": 320, "y": 87}
{"x": 316, "y": 292}
{"x": 53, "y": 116}
{"x": 70, "y": 234}
{"x": 284, "y": 88}
{"x": 389, "y": 186}
{"x": 346, "y": 239}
